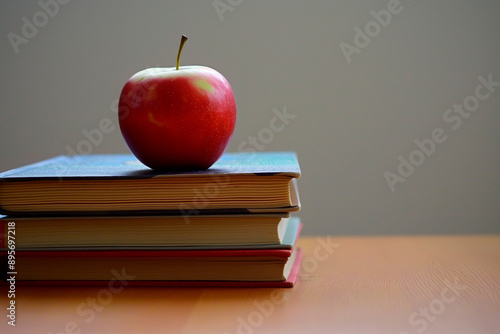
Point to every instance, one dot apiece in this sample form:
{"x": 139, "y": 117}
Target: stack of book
{"x": 94, "y": 219}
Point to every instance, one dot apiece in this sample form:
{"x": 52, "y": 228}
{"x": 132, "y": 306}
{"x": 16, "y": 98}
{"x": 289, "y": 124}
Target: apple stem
{"x": 183, "y": 41}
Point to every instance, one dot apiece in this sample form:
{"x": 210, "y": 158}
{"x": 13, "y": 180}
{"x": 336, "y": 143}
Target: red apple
{"x": 177, "y": 118}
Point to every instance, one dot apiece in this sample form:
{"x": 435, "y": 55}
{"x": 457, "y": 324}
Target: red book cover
{"x": 288, "y": 283}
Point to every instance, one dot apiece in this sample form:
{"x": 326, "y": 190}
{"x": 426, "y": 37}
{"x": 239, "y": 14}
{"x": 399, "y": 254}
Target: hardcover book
{"x": 119, "y": 184}
{"x": 277, "y": 231}
{"x": 259, "y": 267}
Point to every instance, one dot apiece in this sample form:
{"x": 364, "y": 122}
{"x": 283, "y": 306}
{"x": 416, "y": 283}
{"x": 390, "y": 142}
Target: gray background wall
{"x": 352, "y": 119}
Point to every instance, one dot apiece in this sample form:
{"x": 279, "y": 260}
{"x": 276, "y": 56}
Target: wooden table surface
{"x": 401, "y": 285}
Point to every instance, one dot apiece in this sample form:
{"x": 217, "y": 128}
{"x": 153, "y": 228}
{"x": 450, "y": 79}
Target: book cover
{"x": 152, "y": 232}
{"x": 123, "y": 166}
{"x": 290, "y": 281}
{"x": 111, "y": 184}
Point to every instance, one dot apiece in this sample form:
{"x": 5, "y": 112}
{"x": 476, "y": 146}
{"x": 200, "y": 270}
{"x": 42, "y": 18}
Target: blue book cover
{"x": 243, "y": 182}
{"x": 112, "y": 166}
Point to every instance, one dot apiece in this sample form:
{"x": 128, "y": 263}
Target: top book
{"x": 119, "y": 183}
